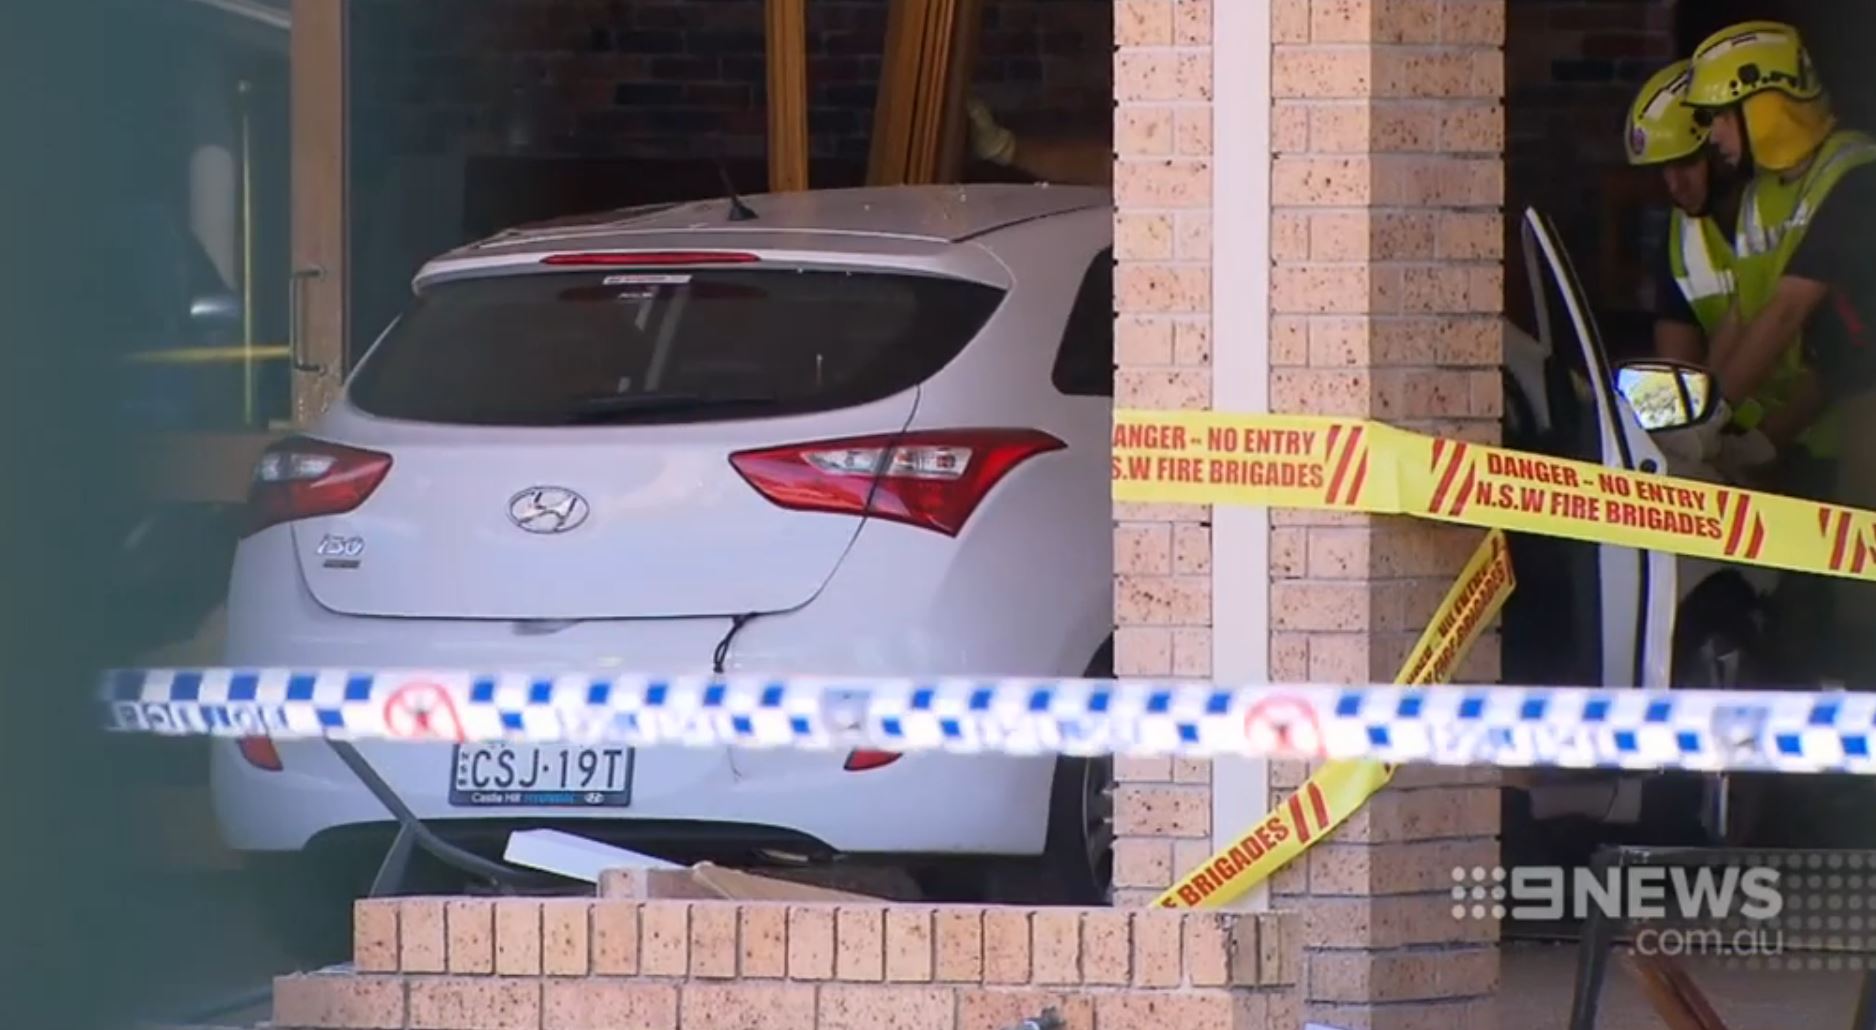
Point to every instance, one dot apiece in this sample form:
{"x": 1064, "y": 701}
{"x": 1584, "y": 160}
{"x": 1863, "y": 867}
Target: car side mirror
{"x": 1667, "y": 394}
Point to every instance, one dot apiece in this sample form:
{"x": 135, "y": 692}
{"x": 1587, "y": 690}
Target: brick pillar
{"x": 1387, "y": 281}
{"x": 1162, "y": 298}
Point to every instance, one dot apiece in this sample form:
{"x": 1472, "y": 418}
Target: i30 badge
{"x": 547, "y": 509}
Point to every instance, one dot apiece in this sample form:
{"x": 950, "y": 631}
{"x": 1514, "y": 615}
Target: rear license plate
{"x": 553, "y": 775}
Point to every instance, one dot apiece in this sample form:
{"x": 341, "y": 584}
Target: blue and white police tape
{"x": 1442, "y": 725}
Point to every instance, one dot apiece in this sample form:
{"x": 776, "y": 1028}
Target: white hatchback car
{"x": 862, "y": 432}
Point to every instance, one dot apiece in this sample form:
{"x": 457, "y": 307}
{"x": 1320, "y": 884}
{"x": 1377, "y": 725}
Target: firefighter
{"x": 1694, "y": 289}
{"x": 1780, "y": 354}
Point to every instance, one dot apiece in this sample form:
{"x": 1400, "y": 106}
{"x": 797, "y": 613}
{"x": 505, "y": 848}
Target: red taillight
{"x": 932, "y": 479}
{"x": 861, "y": 761}
{"x": 261, "y": 753}
{"x": 614, "y": 259}
{"x": 299, "y": 478}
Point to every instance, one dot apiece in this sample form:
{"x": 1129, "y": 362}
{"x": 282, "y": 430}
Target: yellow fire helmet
{"x": 1661, "y": 127}
{"x": 1751, "y": 58}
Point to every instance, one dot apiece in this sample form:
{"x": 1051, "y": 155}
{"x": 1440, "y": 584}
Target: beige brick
{"x": 608, "y": 1005}
{"x": 1143, "y": 237}
{"x": 1289, "y": 552}
{"x": 1184, "y": 182}
{"x": 885, "y": 1008}
{"x": 1161, "y": 75}
{"x": 1207, "y": 949}
{"x": 1192, "y": 131}
{"x": 1407, "y": 21}
{"x": 1191, "y": 550}
{"x": 1137, "y": 511}
{"x": 1289, "y": 21}
{"x": 713, "y": 949}
{"x": 1321, "y": 74}
{"x": 474, "y": 1003}
{"x": 1475, "y": 128}
{"x": 1341, "y": 21}
{"x": 1319, "y": 607}
{"x": 1355, "y": 976}
{"x": 1322, "y": 289}
{"x": 860, "y": 943}
{"x": 999, "y": 1008}
{"x": 1289, "y": 657}
{"x": 1055, "y": 945}
{"x": 1473, "y": 21}
{"x": 1142, "y": 651}
{"x": 1106, "y": 947}
{"x": 421, "y": 937}
{"x": 566, "y": 937}
{"x": 810, "y": 942}
{"x": 615, "y": 938}
{"x": 1171, "y": 811}
{"x": 1400, "y": 816}
{"x": 1142, "y": 769}
{"x": 1143, "y": 23}
{"x": 1243, "y": 952}
{"x": 1006, "y": 945}
{"x": 1144, "y": 130}
{"x": 341, "y": 1002}
{"x": 1156, "y": 948}
{"x": 1341, "y": 127}
{"x": 1390, "y": 922}
{"x": 1288, "y": 773}
{"x": 1279, "y": 949}
{"x": 374, "y": 936}
{"x": 1487, "y": 391}
{"x": 1471, "y": 235}
{"x": 1340, "y": 868}
{"x": 1192, "y": 653}
{"x": 1143, "y": 340}
{"x": 1192, "y": 22}
{"x": 470, "y": 925}
{"x": 1405, "y": 126}
{"x": 517, "y": 937}
{"x": 1289, "y": 341}
{"x": 1189, "y": 854}
{"x": 747, "y": 1006}
{"x": 1143, "y": 549}
{"x": 1162, "y": 600}
{"x": 1185, "y": 1010}
{"x": 908, "y": 944}
{"x": 1289, "y": 236}
{"x": 959, "y": 935}
{"x": 1336, "y": 236}
{"x": 1192, "y": 770}
{"x": 1192, "y": 236}
{"x": 763, "y": 947}
{"x": 1165, "y": 288}
{"x": 664, "y": 941}
{"x": 1143, "y": 862}
{"x": 1192, "y": 342}
{"x": 1415, "y": 181}
{"x": 1290, "y": 127}
{"x": 1130, "y": 898}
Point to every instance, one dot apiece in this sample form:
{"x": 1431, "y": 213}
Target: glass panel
{"x": 1655, "y": 394}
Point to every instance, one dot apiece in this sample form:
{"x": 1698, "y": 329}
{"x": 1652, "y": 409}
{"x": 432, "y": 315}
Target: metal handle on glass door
{"x": 296, "y": 317}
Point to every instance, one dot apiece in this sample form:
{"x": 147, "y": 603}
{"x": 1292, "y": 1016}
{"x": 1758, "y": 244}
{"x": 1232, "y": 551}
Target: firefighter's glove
{"x": 989, "y": 141}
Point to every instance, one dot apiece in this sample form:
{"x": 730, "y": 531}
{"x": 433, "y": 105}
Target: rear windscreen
{"x": 606, "y": 347}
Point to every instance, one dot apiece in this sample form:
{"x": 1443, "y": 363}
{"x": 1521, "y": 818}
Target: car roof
{"x": 934, "y": 214}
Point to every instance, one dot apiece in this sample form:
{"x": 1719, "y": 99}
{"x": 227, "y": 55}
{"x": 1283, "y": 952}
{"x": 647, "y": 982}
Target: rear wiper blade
{"x": 606, "y": 407}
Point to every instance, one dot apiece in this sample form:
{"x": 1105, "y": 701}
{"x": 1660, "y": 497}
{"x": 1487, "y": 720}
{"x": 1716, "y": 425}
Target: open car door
{"x": 1621, "y": 600}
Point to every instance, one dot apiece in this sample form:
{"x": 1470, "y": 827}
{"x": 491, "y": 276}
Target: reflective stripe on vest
{"x": 1702, "y": 262}
{"x": 1773, "y": 219}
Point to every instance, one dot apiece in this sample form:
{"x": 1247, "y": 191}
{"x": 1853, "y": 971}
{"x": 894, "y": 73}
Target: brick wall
{"x": 681, "y": 77}
{"x": 581, "y": 964}
{"x": 1162, "y": 296}
{"x": 1386, "y": 239}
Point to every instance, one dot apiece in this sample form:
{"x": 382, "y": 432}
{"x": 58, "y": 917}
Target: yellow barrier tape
{"x": 1333, "y": 794}
{"x": 1293, "y": 461}
{"x": 207, "y": 355}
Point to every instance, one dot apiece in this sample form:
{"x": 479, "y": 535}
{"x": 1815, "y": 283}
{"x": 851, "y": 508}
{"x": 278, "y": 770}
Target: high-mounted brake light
{"x": 861, "y": 761}
{"x": 616, "y": 259}
{"x": 931, "y": 479}
{"x": 300, "y": 478}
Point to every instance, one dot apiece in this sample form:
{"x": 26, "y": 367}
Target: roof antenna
{"x": 739, "y": 211}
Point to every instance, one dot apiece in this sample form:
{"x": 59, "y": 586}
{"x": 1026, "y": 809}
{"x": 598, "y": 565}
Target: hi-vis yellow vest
{"x": 1701, "y": 258}
{"x": 1773, "y": 219}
